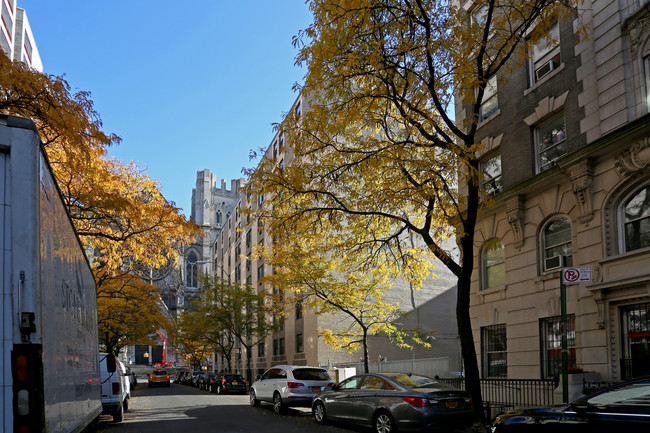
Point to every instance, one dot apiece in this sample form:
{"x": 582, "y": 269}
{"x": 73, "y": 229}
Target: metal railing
{"x": 505, "y": 394}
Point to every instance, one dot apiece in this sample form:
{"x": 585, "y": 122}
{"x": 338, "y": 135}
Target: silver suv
{"x": 289, "y": 385}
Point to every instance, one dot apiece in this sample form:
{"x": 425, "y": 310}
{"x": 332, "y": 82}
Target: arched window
{"x": 494, "y": 264}
{"x": 556, "y": 244}
{"x": 191, "y": 270}
{"x": 636, "y": 219}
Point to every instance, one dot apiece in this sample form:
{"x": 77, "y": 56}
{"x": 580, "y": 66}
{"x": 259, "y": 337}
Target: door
{"x": 368, "y": 398}
{"x": 338, "y": 403}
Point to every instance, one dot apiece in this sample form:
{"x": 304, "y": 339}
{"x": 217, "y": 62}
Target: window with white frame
{"x": 491, "y": 171}
{"x": 494, "y": 264}
{"x": 556, "y": 244}
{"x": 545, "y": 54}
{"x": 478, "y": 15}
{"x": 636, "y": 219}
{"x": 490, "y": 101}
{"x": 550, "y": 141}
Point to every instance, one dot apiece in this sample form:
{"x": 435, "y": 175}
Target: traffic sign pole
{"x": 573, "y": 275}
{"x": 565, "y": 349}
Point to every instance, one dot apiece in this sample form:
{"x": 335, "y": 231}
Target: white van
{"x": 115, "y": 386}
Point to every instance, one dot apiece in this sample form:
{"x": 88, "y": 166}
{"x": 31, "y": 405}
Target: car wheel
{"x": 383, "y": 423}
{"x": 168, "y": 385}
{"x": 319, "y": 412}
{"x": 125, "y": 405}
{"x": 278, "y": 406}
{"x": 118, "y": 416}
{"x": 253, "y": 400}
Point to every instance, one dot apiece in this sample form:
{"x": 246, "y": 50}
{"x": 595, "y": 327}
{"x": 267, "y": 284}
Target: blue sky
{"x": 187, "y": 85}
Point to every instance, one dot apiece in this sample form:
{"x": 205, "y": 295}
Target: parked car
{"x": 624, "y": 407}
{"x": 133, "y": 378}
{"x": 287, "y": 385}
{"x": 114, "y": 387}
{"x": 197, "y": 377}
{"x": 228, "y": 383}
{"x": 205, "y": 381}
{"x": 390, "y": 402}
{"x": 159, "y": 377}
{"x": 182, "y": 376}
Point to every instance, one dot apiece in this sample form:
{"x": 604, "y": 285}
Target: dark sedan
{"x": 624, "y": 407}
{"x": 394, "y": 401}
{"x": 229, "y": 382}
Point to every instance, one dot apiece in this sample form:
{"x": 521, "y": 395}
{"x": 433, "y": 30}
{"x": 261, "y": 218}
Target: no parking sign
{"x": 580, "y": 274}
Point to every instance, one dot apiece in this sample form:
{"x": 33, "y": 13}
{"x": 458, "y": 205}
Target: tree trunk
{"x": 249, "y": 356}
{"x": 365, "y": 350}
{"x": 472, "y": 378}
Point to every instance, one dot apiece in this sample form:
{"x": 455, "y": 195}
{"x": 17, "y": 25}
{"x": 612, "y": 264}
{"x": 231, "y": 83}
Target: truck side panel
{"x": 69, "y": 324}
{"x": 48, "y": 290}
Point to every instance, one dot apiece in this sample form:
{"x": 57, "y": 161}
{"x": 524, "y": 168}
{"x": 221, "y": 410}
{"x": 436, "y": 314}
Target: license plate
{"x": 234, "y": 383}
{"x": 315, "y": 388}
{"x": 451, "y": 404}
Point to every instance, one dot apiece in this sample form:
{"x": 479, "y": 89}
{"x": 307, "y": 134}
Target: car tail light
{"x": 295, "y": 384}
{"x": 223, "y": 380}
{"x": 329, "y": 385}
{"x": 417, "y": 401}
{"x": 116, "y": 387}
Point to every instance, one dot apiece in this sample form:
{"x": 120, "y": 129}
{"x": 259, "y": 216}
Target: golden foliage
{"x": 128, "y": 312}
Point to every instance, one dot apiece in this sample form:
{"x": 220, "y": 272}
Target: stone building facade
{"x": 566, "y": 158}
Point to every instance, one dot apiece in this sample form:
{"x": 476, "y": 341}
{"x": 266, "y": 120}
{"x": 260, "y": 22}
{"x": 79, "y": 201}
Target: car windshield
{"x": 310, "y": 374}
{"x": 637, "y": 394}
{"x": 413, "y": 381}
{"x": 159, "y": 373}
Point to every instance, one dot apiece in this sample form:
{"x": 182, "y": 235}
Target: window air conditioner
{"x": 544, "y": 69}
{"x": 554, "y": 262}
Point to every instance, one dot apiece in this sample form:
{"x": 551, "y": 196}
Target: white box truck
{"x": 50, "y": 354}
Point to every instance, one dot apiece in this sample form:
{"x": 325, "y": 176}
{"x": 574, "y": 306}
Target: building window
{"x": 494, "y": 264}
{"x": 490, "y": 101}
{"x": 545, "y": 54}
{"x": 299, "y": 345}
{"x": 495, "y": 351}
{"x": 298, "y": 309}
{"x": 260, "y": 272}
{"x": 298, "y": 109}
{"x": 636, "y": 219}
{"x": 550, "y": 139}
{"x": 281, "y": 346}
{"x": 491, "y": 171}
{"x": 551, "y": 345}
{"x": 260, "y": 350}
{"x": 478, "y": 15}
{"x": 276, "y": 347}
{"x": 192, "y": 271}
{"x": 557, "y": 245}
